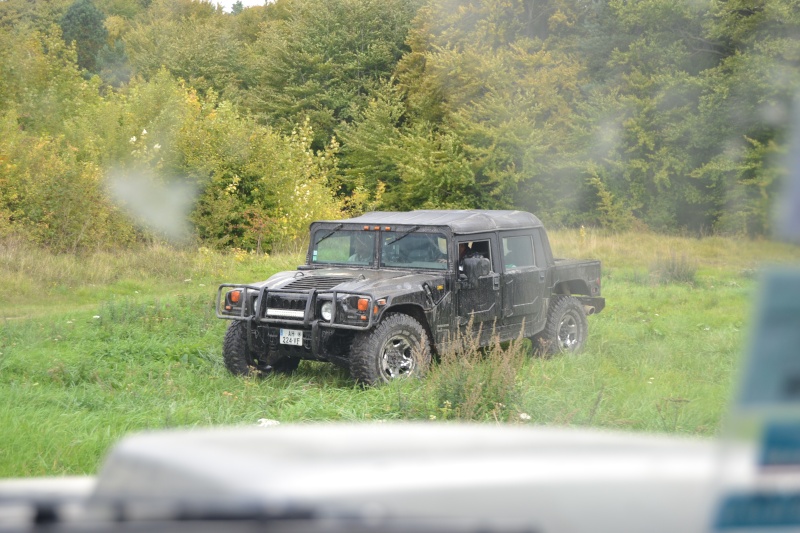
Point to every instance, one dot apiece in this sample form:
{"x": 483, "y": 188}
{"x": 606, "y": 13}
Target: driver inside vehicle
{"x": 362, "y": 249}
{"x": 464, "y": 251}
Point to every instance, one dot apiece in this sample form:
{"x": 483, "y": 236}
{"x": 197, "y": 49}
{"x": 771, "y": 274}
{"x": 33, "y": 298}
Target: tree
{"x": 192, "y": 40}
{"x": 82, "y": 25}
{"x": 324, "y": 59}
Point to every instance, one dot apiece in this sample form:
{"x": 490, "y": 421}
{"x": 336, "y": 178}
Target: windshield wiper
{"x": 331, "y": 232}
{"x": 412, "y": 230}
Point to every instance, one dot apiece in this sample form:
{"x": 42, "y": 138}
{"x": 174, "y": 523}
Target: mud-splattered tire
{"x": 398, "y": 347}
{"x": 239, "y": 359}
{"x": 235, "y": 351}
{"x": 566, "y": 329}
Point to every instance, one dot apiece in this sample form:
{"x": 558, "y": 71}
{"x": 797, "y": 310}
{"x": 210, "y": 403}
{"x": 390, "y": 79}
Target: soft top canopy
{"x": 459, "y": 221}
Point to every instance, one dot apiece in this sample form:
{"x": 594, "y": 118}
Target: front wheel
{"x": 240, "y": 360}
{"x": 566, "y": 328}
{"x": 398, "y": 347}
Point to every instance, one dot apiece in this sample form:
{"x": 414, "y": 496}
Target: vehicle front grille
{"x": 280, "y": 306}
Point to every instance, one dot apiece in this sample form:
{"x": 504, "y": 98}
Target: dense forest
{"x": 128, "y": 120}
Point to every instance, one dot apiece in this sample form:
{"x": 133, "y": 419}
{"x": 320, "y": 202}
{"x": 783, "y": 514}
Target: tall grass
{"x": 136, "y": 346}
{"x": 473, "y": 383}
{"x": 41, "y": 281}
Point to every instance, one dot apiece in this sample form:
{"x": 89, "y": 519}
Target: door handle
{"x": 496, "y": 282}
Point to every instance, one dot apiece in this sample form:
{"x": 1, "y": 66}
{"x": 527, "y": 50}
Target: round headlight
{"x": 327, "y": 311}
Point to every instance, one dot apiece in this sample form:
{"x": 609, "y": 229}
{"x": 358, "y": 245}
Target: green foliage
{"x": 670, "y": 115}
{"x": 261, "y": 189}
{"x": 54, "y": 198}
{"x": 612, "y": 213}
{"x": 52, "y": 186}
{"x": 470, "y": 383}
{"x": 112, "y": 64}
{"x": 31, "y": 16}
{"x": 433, "y": 172}
{"x": 41, "y": 81}
{"x": 83, "y": 25}
{"x": 367, "y": 143}
{"x": 323, "y": 59}
{"x": 191, "y": 40}
{"x": 674, "y": 268}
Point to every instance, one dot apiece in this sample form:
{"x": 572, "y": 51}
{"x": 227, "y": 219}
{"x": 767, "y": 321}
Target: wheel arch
{"x": 417, "y": 313}
{"x": 575, "y": 286}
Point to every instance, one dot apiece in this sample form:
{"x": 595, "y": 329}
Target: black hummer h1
{"x": 380, "y": 292}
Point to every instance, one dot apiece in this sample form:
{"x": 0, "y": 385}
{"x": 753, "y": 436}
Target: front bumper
{"x": 271, "y": 310}
{"x": 296, "y": 308}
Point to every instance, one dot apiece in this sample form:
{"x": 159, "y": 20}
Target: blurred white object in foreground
{"x": 498, "y": 477}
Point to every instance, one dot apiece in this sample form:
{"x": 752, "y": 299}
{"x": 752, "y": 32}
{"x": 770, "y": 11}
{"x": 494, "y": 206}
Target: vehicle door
{"x": 524, "y": 282}
{"x": 480, "y": 302}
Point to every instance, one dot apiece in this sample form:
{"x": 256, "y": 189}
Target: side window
{"x": 473, "y": 248}
{"x": 518, "y": 252}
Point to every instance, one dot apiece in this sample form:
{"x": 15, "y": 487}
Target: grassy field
{"x": 94, "y": 347}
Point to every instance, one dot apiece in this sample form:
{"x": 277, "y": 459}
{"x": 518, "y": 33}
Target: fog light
{"x": 235, "y": 296}
{"x": 363, "y": 304}
{"x": 327, "y": 311}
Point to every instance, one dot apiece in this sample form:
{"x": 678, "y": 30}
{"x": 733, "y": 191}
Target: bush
{"x": 473, "y": 383}
{"x": 674, "y": 268}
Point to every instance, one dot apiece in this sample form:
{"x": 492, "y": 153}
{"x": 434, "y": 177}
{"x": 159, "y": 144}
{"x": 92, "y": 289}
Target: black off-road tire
{"x": 239, "y": 359}
{"x": 235, "y": 351}
{"x": 398, "y": 347}
{"x": 566, "y": 328}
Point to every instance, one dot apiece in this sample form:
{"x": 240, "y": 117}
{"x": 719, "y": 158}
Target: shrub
{"x": 473, "y": 383}
{"x": 674, "y": 268}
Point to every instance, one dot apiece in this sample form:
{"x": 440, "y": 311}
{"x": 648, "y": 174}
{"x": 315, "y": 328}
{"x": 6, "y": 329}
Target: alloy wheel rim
{"x": 568, "y": 333}
{"x": 396, "y": 358}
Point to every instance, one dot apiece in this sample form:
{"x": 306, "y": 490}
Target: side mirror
{"x": 474, "y": 269}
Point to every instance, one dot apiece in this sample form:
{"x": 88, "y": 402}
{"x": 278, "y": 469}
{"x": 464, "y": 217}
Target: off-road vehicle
{"x": 381, "y": 292}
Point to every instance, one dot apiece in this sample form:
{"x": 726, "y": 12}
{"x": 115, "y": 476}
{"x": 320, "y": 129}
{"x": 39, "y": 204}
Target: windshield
{"x": 400, "y": 249}
{"x": 343, "y": 246}
{"x": 414, "y": 250}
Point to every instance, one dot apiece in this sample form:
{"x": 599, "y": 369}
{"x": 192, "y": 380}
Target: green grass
{"x": 92, "y": 348}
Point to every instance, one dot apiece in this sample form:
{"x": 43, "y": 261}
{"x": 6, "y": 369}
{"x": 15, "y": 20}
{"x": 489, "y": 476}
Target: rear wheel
{"x": 398, "y": 347}
{"x": 566, "y": 329}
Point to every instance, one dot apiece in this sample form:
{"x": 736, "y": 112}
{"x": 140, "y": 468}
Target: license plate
{"x": 293, "y": 337}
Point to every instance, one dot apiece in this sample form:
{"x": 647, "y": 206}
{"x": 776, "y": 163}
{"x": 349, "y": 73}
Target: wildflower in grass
{"x": 524, "y": 416}
{"x": 96, "y": 317}
{"x": 133, "y": 139}
{"x": 266, "y": 423}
